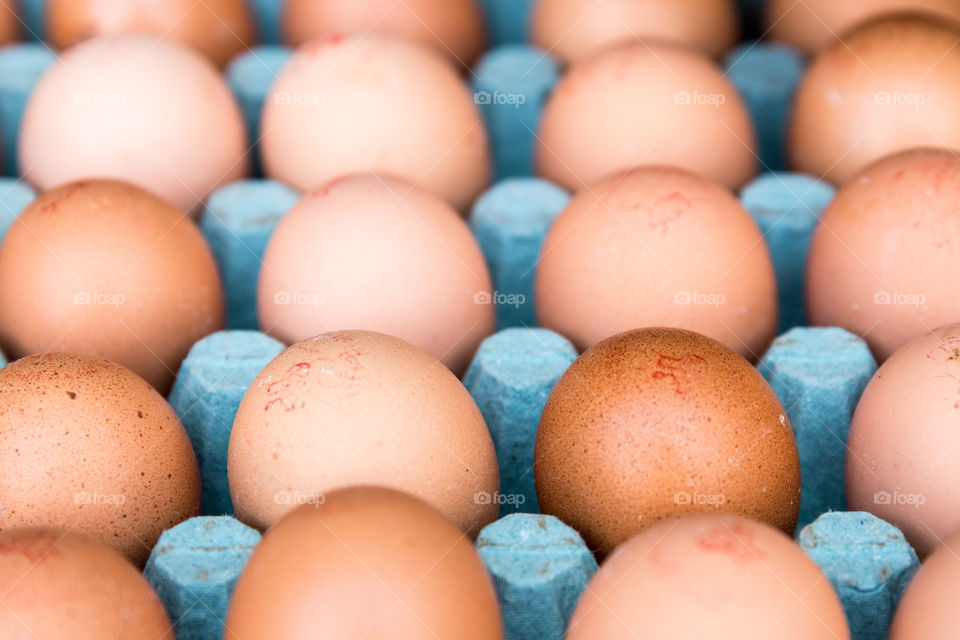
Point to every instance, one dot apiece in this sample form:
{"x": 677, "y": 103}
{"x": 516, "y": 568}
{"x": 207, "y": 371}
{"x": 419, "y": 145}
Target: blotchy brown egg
{"x": 721, "y": 577}
{"x": 657, "y": 247}
{"x": 657, "y": 423}
{"x": 573, "y": 30}
{"x": 357, "y": 407}
{"x": 884, "y": 261}
{"x": 220, "y": 29}
{"x": 453, "y": 28}
{"x": 86, "y": 444}
{"x": 106, "y": 268}
{"x": 58, "y": 584}
{"x": 10, "y": 25}
{"x": 928, "y": 609}
{"x": 890, "y": 86}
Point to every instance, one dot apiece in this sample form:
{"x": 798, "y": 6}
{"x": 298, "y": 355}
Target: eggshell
{"x": 106, "y": 268}
{"x": 711, "y": 576}
{"x": 903, "y": 453}
{"x": 357, "y": 407}
{"x": 10, "y": 25}
{"x": 645, "y": 104}
{"x": 374, "y": 103}
{"x": 884, "y": 260}
{"x": 366, "y": 562}
{"x": 86, "y": 444}
{"x": 572, "y": 30}
{"x": 891, "y": 85}
{"x": 657, "y": 247}
{"x": 453, "y": 28}
{"x": 372, "y": 252}
{"x": 132, "y": 107}
{"x": 220, "y": 29}
{"x": 58, "y": 584}
{"x": 655, "y": 424}
{"x": 928, "y": 608}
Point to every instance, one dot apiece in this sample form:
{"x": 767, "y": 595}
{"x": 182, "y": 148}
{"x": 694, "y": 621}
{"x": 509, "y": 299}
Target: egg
{"x": 889, "y": 86}
{"x": 572, "y": 30}
{"x": 927, "y": 609}
{"x": 812, "y": 25}
{"x": 883, "y": 261}
{"x": 88, "y": 445}
{"x": 453, "y": 28}
{"x": 10, "y": 25}
{"x": 220, "y": 29}
{"x": 58, "y": 584}
{"x": 654, "y": 424}
{"x": 365, "y": 562}
{"x": 376, "y": 103}
{"x": 357, "y": 407}
{"x": 713, "y": 576}
{"x": 132, "y": 107}
{"x": 641, "y": 105}
{"x": 657, "y": 247}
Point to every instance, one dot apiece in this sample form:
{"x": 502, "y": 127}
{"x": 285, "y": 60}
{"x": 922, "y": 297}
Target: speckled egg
{"x": 86, "y": 444}
{"x": 658, "y": 423}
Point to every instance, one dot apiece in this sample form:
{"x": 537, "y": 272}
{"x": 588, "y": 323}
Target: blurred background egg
{"x": 928, "y": 609}
{"x": 10, "y": 25}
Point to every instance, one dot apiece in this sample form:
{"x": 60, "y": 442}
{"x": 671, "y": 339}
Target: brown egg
{"x": 903, "y": 453}
{"x": 656, "y": 423}
{"x": 711, "y": 576}
{"x": 373, "y": 252}
{"x": 884, "y": 261}
{"x": 106, "y": 268}
{"x": 377, "y": 103}
{"x": 10, "y": 25}
{"x": 645, "y": 104}
{"x": 357, "y": 407}
{"x": 453, "y": 28}
{"x": 890, "y": 86}
{"x": 657, "y": 247}
{"x": 58, "y": 584}
{"x": 220, "y": 29}
{"x": 88, "y": 445}
{"x": 928, "y": 608}
{"x": 572, "y": 30}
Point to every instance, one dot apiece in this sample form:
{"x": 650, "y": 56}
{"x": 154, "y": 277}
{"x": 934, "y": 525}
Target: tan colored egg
{"x": 132, "y": 107}
{"x": 10, "y": 25}
{"x": 365, "y": 562}
{"x": 884, "y": 260}
{"x": 376, "y": 103}
{"x": 106, "y": 268}
{"x": 86, "y": 444}
{"x": 927, "y": 609}
{"x": 374, "y": 252}
{"x": 357, "y": 407}
{"x": 572, "y": 30}
{"x": 903, "y": 453}
{"x": 640, "y": 105}
{"x": 654, "y": 424}
{"x": 220, "y": 29}
{"x": 58, "y": 584}
{"x": 890, "y": 86}
{"x": 453, "y": 28}
{"x": 657, "y": 247}
{"x": 721, "y": 577}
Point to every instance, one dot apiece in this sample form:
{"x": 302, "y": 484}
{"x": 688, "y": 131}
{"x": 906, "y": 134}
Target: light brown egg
{"x": 377, "y": 103}
{"x": 86, "y": 444}
{"x": 220, "y": 29}
{"x": 884, "y": 261}
{"x": 106, "y": 268}
{"x": 357, "y": 407}
{"x": 10, "y": 25}
{"x": 453, "y": 28}
{"x": 657, "y": 247}
{"x": 645, "y": 104}
{"x": 366, "y": 562}
{"x": 374, "y": 252}
{"x": 572, "y": 30}
{"x": 903, "y": 453}
{"x": 654, "y": 424}
{"x": 712, "y": 576}
{"x": 131, "y": 107}
{"x": 890, "y": 86}
{"x": 58, "y": 584}
{"x": 928, "y": 609}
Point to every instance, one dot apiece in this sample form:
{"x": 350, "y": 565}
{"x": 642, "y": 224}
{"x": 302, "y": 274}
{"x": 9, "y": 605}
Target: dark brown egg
{"x": 10, "y": 26}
